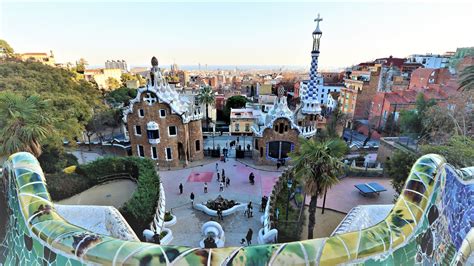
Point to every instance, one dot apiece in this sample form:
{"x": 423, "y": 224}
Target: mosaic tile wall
{"x": 431, "y": 223}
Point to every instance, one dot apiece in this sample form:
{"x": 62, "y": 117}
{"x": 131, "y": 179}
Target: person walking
{"x": 180, "y": 188}
{"x": 221, "y": 186}
{"x": 223, "y": 172}
{"x": 205, "y": 187}
{"x": 249, "y": 210}
{"x": 227, "y": 182}
{"x": 218, "y": 176}
{"x": 217, "y": 167}
{"x": 192, "y": 198}
{"x": 249, "y": 237}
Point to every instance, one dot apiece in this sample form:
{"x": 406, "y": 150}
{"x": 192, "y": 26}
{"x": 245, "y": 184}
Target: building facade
{"x": 45, "y": 58}
{"x": 430, "y": 60}
{"x": 162, "y": 124}
{"x": 242, "y": 120}
{"x": 120, "y": 64}
{"x": 101, "y": 75}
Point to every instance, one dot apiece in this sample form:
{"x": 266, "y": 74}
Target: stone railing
{"x": 434, "y": 210}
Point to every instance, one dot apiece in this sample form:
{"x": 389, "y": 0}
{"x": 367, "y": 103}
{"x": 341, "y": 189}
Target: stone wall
{"x": 182, "y": 145}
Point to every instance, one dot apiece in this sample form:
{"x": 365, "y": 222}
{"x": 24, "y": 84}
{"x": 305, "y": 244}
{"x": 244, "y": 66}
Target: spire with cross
{"x": 318, "y": 19}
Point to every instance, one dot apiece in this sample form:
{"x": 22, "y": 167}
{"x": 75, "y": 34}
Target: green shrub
{"x": 55, "y": 159}
{"x": 168, "y": 217}
{"x": 139, "y": 210}
{"x": 63, "y": 186}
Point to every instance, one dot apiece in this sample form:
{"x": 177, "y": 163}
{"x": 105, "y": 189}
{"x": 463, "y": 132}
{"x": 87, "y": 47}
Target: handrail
{"x": 35, "y": 222}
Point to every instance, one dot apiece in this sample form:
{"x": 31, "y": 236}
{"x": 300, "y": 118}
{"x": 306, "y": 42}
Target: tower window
{"x": 162, "y": 113}
{"x": 169, "y": 156}
{"x": 198, "y": 145}
{"x": 281, "y": 128}
{"x": 172, "y": 131}
{"x": 141, "y": 151}
{"x": 141, "y": 113}
{"x": 138, "y": 130}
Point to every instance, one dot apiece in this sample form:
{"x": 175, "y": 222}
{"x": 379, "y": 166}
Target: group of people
{"x": 224, "y": 181}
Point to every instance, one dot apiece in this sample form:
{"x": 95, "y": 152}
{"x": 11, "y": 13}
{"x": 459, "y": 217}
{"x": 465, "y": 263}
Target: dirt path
{"x": 325, "y": 223}
{"x": 114, "y": 193}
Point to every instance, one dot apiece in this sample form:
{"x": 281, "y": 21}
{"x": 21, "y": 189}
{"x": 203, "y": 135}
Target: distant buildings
{"x": 430, "y": 60}
{"x": 162, "y": 124}
{"x": 360, "y": 87}
{"x": 101, "y": 75}
{"x": 120, "y": 64}
{"x": 242, "y": 120}
{"x": 47, "y": 59}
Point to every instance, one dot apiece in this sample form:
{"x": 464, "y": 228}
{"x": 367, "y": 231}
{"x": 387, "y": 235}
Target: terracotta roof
{"x": 389, "y": 61}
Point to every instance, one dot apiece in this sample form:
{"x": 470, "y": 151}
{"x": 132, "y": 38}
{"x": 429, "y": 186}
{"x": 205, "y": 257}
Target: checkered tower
{"x": 311, "y": 99}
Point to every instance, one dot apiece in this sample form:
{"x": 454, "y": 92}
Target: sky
{"x": 238, "y": 33}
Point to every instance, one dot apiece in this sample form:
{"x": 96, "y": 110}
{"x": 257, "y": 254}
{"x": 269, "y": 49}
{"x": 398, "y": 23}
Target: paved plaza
{"x": 187, "y": 230}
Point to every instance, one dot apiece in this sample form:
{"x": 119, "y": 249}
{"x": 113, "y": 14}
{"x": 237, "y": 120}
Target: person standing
{"x": 249, "y": 237}
{"x": 227, "y": 182}
{"x": 223, "y": 172}
{"x": 180, "y": 188}
{"x": 221, "y": 186}
{"x": 205, "y": 187}
{"x": 192, "y": 198}
{"x": 249, "y": 210}
{"x": 218, "y": 176}
{"x": 217, "y": 167}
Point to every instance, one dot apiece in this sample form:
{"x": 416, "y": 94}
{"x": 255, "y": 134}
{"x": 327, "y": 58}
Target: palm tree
{"x": 467, "y": 79}
{"x": 318, "y": 165}
{"x": 24, "y": 123}
{"x": 206, "y": 96}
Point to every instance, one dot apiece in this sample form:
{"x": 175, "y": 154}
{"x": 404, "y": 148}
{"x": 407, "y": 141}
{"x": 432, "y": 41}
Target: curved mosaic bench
{"x": 430, "y": 223}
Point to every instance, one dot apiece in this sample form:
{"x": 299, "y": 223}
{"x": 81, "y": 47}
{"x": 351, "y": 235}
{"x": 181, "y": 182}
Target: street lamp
{"x": 289, "y": 183}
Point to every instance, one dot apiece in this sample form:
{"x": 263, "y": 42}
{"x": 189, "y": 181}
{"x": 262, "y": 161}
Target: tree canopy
{"x": 7, "y": 49}
{"x": 467, "y": 79}
{"x": 120, "y": 96}
{"x": 24, "y": 123}
{"x": 411, "y": 121}
{"x": 318, "y": 164}
{"x": 112, "y": 83}
{"x": 237, "y": 101}
{"x": 69, "y": 101}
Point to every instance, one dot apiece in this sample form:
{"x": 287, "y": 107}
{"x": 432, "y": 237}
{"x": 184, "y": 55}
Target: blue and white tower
{"x": 310, "y": 91}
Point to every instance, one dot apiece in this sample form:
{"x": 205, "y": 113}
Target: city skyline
{"x": 234, "y": 34}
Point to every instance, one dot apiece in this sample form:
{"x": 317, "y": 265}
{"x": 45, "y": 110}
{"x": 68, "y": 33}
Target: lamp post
{"x": 289, "y": 183}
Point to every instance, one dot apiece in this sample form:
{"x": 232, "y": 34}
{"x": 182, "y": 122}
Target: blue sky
{"x": 234, "y": 33}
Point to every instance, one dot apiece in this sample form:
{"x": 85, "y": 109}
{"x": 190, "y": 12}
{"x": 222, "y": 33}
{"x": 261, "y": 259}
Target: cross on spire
{"x": 318, "y": 19}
